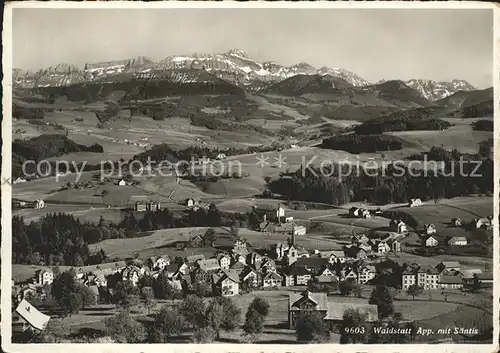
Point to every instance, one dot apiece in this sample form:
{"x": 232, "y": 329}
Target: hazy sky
{"x": 375, "y": 44}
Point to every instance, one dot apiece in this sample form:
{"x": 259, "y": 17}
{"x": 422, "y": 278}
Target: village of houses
{"x": 239, "y": 268}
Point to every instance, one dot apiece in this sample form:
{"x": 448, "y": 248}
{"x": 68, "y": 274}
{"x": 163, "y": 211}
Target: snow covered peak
{"x": 435, "y": 90}
{"x": 238, "y": 52}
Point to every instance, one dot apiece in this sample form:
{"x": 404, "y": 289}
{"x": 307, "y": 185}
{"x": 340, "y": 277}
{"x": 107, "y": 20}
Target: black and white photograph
{"x": 266, "y": 174}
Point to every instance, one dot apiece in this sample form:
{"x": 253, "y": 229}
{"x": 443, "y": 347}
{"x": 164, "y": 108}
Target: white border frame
{"x": 6, "y": 216}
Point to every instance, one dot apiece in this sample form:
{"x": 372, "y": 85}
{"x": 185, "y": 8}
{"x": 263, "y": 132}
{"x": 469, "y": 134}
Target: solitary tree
{"x": 123, "y": 329}
{"x": 147, "y": 298}
{"x": 260, "y": 305}
{"x": 254, "y": 323}
{"x": 414, "y": 290}
{"x": 383, "y": 299}
{"x": 126, "y": 295}
{"x": 193, "y": 310}
{"x": 168, "y": 322}
{"x": 309, "y": 328}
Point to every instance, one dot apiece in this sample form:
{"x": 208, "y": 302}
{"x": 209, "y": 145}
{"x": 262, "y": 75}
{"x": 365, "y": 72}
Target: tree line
{"x": 64, "y": 240}
{"x": 393, "y": 184}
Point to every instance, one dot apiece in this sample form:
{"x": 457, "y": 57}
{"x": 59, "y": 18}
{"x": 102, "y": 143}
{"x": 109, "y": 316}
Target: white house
{"x": 398, "y": 226}
{"x": 431, "y": 241}
{"x": 458, "y": 241}
{"x": 228, "y": 284}
{"x": 189, "y": 202}
{"x": 366, "y": 273}
{"x": 382, "y": 247}
{"x": 19, "y": 180}
{"x": 366, "y": 214}
{"x": 221, "y": 156}
{"x": 456, "y": 222}
{"x": 272, "y": 279}
{"x": 430, "y": 229}
{"x": 38, "y": 204}
{"x": 415, "y": 202}
{"x": 299, "y": 230}
{"x": 122, "y": 183}
{"x": 43, "y": 277}
{"x": 280, "y": 212}
{"x": 224, "y": 261}
{"x": 159, "y": 263}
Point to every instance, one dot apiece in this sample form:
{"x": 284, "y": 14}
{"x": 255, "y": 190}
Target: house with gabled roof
{"x": 195, "y": 258}
{"x": 27, "y": 317}
{"x": 366, "y": 274}
{"x": 448, "y": 265}
{"x": 408, "y": 277}
{"x": 300, "y": 304}
{"x": 430, "y": 241}
{"x": 228, "y": 284}
{"x": 383, "y": 248}
{"x": 305, "y": 302}
{"x": 458, "y": 241}
{"x": 456, "y": 222}
{"x": 398, "y": 226}
{"x": 450, "y": 282}
{"x": 250, "y": 277}
{"x": 158, "y": 263}
{"x": 429, "y": 229}
{"x": 271, "y": 279}
{"x": 415, "y": 202}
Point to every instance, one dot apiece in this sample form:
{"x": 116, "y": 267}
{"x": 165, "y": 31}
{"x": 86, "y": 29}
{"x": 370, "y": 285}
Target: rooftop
{"x": 32, "y": 315}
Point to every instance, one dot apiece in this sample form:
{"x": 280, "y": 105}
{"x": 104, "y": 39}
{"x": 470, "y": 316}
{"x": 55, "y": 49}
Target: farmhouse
{"x": 189, "y": 202}
{"x": 415, "y": 203}
{"x": 272, "y": 279}
{"x": 398, "y": 226}
{"x": 19, "y": 180}
{"x": 27, "y": 317}
{"x": 448, "y": 266}
{"x": 38, "y": 204}
{"x": 354, "y": 211}
{"x": 366, "y": 274}
{"x": 272, "y": 213}
{"x": 43, "y": 277}
{"x": 382, "y": 247}
{"x": 481, "y": 223}
{"x": 300, "y": 304}
{"x": 395, "y": 245}
{"x": 450, "y": 282}
{"x": 457, "y": 241}
{"x": 153, "y": 206}
{"x": 122, "y": 183}
{"x": 456, "y": 222}
{"x": 485, "y": 278}
{"x": 249, "y": 276}
{"x": 427, "y": 278}
{"x": 158, "y": 263}
{"x": 221, "y": 156}
{"x": 228, "y": 284}
{"x": 140, "y": 206}
{"x": 408, "y": 278}
{"x": 431, "y": 241}
{"x": 430, "y": 229}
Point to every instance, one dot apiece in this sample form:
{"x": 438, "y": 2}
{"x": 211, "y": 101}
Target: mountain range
{"x": 234, "y": 66}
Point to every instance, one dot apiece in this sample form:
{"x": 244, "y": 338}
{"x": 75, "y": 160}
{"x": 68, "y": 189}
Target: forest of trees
{"x": 42, "y": 147}
{"x": 164, "y": 152}
{"x": 482, "y": 125}
{"x": 355, "y": 143}
{"x": 21, "y": 112}
{"x": 64, "y": 240}
{"x": 396, "y": 184}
